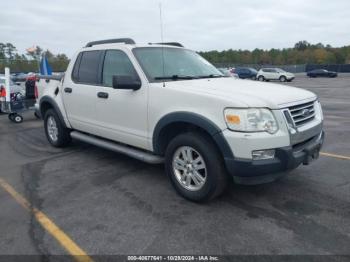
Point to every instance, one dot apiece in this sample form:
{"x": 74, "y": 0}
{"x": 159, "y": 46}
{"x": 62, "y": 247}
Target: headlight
{"x": 251, "y": 120}
{"x": 318, "y": 110}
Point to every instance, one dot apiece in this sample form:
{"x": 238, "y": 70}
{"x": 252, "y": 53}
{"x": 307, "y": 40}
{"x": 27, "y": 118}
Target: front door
{"x": 121, "y": 114}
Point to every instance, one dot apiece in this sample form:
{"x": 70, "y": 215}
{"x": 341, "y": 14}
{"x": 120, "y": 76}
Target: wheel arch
{"x": 175, "y": 123}
{"x": 47, "y": 103}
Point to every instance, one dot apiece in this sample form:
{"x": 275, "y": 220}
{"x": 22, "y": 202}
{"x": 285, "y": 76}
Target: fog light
{"x": 263, "y": 154}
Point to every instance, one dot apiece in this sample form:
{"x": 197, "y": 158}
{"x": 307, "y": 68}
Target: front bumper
{"x": 251, "y": 172}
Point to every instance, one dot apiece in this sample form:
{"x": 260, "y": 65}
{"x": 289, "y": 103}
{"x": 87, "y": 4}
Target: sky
{"x": 63, "y": 26}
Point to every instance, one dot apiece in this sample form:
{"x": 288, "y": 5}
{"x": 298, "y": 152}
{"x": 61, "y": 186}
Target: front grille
{"x": 303, "y": 113}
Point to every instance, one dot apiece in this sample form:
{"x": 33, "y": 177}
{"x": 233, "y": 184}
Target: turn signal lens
{"x": 233, "y": 119}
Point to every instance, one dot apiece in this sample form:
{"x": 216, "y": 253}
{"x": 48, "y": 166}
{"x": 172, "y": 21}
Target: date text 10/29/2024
{"x": 173, "y": 258}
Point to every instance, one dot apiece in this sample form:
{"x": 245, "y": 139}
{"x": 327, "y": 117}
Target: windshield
{"x": 178, "y": 64}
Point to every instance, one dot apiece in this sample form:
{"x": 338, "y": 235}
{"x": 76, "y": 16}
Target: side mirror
{"x": 126, "y": 82}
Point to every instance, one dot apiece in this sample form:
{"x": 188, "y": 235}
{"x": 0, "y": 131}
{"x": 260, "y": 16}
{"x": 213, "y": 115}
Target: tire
{"x": 56, "y": 133}
{"x": 204, "y": 152}
{"x": 17, "y": 119}
{"x": 283, "y": 79}
{"x": 261, "y": 78}
{"x": 10, "y": 116}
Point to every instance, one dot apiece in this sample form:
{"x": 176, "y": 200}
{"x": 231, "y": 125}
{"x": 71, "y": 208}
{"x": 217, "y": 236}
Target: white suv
{"x": 267, "y": 74}
{"x": 162, "y": 103}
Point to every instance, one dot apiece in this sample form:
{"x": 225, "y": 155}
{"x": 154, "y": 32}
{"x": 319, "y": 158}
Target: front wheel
{"x": 195, "y": 167}
{"x": 56, "y": 133}
{"x": 283, "y": 79}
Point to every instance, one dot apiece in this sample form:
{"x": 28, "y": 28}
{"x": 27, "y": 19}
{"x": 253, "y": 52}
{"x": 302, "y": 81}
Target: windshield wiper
{"x": 175, "y": 77}
{"x": 212, "y": 76}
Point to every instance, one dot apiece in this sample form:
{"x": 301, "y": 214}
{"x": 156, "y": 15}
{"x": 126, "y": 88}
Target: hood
{"x": 245, "y": 93}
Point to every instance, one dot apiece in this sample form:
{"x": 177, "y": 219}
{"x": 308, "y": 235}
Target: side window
{"x": 75, "y": 74}
{"x": 116, "y": 63}
{"x": 89, "y": 67}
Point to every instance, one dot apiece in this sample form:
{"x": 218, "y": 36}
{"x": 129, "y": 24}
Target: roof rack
{"x": 127, "y": 41}
{"x": 168, "y": 43}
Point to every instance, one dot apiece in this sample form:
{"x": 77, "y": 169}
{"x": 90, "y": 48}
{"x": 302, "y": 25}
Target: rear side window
{"x": 86, "y": 68}
{"x": 117, "y": 62}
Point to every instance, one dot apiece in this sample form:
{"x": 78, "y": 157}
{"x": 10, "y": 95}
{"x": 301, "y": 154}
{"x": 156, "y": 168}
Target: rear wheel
{"x": 56, "y": 133}
{"x": 195, "y": 167}
{"x": 261, "y": 78}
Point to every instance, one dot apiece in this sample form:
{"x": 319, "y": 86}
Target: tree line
{"x": 302, "y": 53}
{"x": 29, "y": 62}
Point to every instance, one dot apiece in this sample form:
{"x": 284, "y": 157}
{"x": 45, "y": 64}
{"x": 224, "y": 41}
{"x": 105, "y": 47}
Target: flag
{"x": 45, "y": 68}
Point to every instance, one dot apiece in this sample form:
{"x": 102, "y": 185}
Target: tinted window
{"x": 116, "y": 63}
{"x": 75, "y": 74}
{"x": 89, "y": 67}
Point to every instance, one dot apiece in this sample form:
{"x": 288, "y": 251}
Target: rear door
{"x": 268, "y": 73}
{"x": 79, "y": 91}
{"x": 274, "y": 74}
{"x": 122, "y": 114}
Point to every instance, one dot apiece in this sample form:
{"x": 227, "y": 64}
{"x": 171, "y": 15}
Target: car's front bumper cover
{"x": 286, "y": 158}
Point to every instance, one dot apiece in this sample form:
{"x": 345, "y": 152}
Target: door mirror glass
{"x": 126, "y": 82}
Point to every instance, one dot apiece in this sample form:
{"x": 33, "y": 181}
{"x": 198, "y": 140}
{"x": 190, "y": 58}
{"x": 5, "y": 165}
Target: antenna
{"x": 162, "y": 38}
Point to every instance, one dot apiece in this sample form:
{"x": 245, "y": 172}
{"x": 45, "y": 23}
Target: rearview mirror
{"x": 126, "y": 82}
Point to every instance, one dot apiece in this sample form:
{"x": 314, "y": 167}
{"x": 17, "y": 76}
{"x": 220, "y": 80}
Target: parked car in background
{"x": 321, "y": 73}
{"x": 267, "y": 74}
{"x": 246, "y": 73}
{"x": 227, "y": 72}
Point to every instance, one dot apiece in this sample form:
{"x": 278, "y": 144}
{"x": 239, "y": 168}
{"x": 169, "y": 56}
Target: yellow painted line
{"x": 335, "y": 156}
{"x": 66, "y": 242}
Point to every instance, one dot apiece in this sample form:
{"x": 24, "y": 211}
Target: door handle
{"x": 68, "y": 90}
{"x": 102, "y": 95}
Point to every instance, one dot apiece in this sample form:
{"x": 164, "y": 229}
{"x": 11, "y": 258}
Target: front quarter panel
{"x": 167, "y": 100}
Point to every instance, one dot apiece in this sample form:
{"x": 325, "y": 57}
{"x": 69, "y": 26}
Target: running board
{"x": 119, "y": 148}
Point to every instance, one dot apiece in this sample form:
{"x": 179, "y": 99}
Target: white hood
{"x": 247, "y": 92}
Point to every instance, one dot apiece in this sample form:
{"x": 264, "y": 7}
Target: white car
{"x": 227, "y": 72}
{"x": 162, "y": 103}
{"x": 267, "y": 74}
